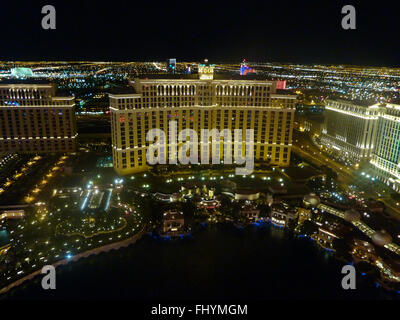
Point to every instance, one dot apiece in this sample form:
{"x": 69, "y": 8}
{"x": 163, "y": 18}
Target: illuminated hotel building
{"x": 350, "y": 128}
{"x": 201, "y": 102}
{"x": 34, "y": 120}
{"x": 385, "y": 159}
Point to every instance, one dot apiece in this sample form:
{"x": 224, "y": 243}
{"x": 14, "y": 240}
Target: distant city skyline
{"x": 297, "y": 32}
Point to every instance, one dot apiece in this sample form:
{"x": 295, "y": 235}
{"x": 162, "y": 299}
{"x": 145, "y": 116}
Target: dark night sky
{"x": 303, "y": 31}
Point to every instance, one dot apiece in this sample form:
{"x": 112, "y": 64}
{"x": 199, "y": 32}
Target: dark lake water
{"x": 218, "y": 262}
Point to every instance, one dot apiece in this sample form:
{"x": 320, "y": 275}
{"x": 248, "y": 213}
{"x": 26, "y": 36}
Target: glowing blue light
{"x": 108, "y": 200}
{"x": 85, "y": 200}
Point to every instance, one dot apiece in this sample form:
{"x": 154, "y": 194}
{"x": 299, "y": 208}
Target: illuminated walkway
{"x": 360, "y": 225}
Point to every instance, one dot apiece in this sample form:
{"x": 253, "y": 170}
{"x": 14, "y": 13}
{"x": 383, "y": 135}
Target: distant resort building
{"x": 34, "y": 120}
{"x": 363, "y": 131}
{"x": 350, "y": 128}
{"x": 386, "y": 156}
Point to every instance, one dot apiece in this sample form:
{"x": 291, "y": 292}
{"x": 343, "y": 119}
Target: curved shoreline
{"x": 106, "y": 248}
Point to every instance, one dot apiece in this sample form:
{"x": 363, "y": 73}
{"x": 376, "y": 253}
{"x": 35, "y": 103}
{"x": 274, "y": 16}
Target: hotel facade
{"x": 34, "y": 120}
{"x": 365, "y": 131}
{"x": 204, "y": 102}
{"x": 350, "y": 128}
{"x": 386, "y": 157}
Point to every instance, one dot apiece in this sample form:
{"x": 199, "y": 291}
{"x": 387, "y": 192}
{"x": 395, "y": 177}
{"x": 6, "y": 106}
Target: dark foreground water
{"x": 218, "y": 262}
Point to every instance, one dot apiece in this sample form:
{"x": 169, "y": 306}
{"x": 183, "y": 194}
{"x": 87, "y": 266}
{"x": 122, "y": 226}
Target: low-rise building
{"x": 364, "y": 250}
{"x": 173, "y": 222}
{"x": 249, "y": 211}
{"x": 282, "y": 215}
{"x": 328, "y": 232}
{"x": 208, "y": 204}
